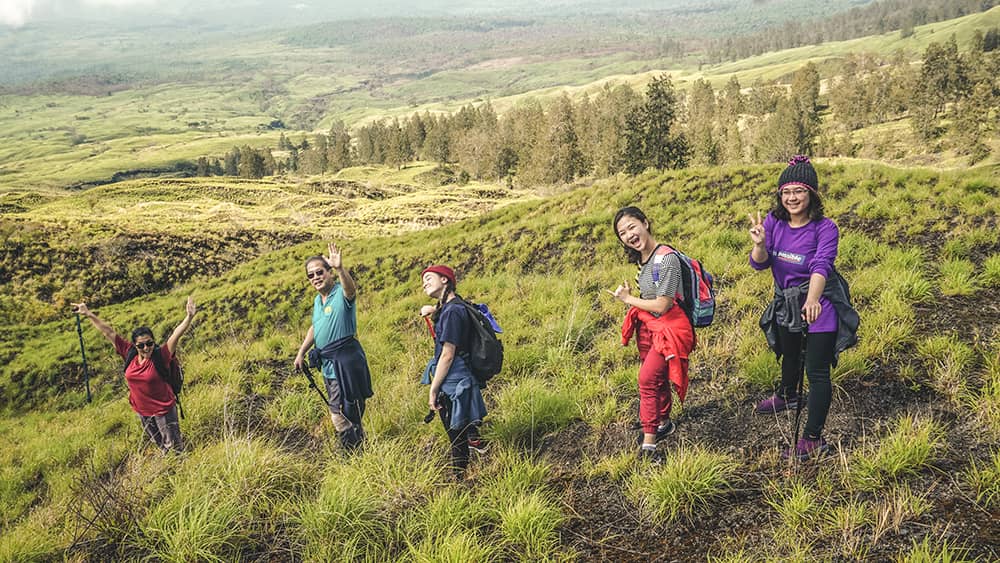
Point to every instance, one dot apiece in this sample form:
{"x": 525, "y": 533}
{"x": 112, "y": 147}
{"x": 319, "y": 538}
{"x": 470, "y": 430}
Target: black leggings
{"x": 459, "y": 438}
{"x": 819, "y": 358}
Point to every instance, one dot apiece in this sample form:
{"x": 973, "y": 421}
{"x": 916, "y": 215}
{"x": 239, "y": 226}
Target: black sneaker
{"x": 665, "y": 430}
{"x": 478, "y": 445}
{"x": 652, "y": 456}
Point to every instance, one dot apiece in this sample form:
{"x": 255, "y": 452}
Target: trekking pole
{"x": 312, "y": 383}
{"x": 83, "y": 352}
{"x": 799, "y": 389}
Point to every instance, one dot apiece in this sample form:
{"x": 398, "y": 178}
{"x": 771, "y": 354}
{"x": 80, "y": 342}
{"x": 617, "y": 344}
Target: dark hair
{"x": 448, "y": 288}
{"x": 631, "y": 254}
{"x": 815, "y": 209}
{"x": 141, "y": 331}
{"x": 316, "y": 258}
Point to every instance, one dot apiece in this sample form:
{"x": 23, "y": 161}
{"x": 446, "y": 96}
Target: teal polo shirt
{"x": 333, "y": 320}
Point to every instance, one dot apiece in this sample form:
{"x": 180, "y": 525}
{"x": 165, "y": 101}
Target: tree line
{"x": 876, "y": 18}
{"x": 949, "y": 97}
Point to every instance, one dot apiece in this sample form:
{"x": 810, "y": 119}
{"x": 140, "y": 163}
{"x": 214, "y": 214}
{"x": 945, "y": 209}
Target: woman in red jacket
{"x": 663, "y": 332}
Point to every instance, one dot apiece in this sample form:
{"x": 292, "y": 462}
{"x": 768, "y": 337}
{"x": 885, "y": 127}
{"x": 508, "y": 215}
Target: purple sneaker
{"x": 807, "y": 448}
{"x": 776, "y": 404}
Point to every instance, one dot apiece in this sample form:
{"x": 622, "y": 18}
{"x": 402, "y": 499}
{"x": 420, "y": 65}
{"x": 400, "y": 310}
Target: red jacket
{"x": 673, "y": 337}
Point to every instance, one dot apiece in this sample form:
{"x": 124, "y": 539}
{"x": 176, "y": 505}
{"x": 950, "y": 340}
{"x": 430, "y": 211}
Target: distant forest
{"x": 947, "y": 100}
{"x": 874, "y": 19}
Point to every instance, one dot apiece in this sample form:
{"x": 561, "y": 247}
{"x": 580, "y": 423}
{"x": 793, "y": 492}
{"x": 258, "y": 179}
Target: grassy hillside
{"x": 915, "y": 419}
{"x": 118, "y": 241}
{"x": 59, "y": 140}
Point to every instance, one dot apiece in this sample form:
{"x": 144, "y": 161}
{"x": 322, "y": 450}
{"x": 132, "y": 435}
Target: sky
{"x": 18, "y": 13}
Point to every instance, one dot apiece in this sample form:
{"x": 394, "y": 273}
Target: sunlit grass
{"x": 911, "y": 445}
{"x": 947, "y": 360}
{"x": 958, "y": 277}
{"x": 984, "y": 479}
{"x": 687, "y": 482}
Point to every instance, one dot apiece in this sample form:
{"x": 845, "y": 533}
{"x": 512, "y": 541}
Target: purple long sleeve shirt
{"x": 795, "y": 253}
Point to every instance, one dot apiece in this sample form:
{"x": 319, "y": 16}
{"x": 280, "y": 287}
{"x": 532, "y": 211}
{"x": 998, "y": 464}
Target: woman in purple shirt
{"x": 799, "y": 244}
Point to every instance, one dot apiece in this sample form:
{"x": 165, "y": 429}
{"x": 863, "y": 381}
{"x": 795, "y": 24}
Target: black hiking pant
{"x": 819, "y": 358}
{"x": 459, "y": 438}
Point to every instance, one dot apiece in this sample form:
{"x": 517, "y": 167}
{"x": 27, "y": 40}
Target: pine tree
{"x": 701, "y": 123}
{"x": 565, "y": 158}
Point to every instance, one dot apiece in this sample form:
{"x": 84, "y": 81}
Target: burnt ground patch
{"x": 605, "y": 525}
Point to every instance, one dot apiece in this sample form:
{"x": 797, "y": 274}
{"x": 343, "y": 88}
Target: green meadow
{"x": 915, "y": 420}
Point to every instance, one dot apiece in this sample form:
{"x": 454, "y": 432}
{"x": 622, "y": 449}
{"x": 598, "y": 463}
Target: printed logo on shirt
{"x": 790, "y": 257}
{"x": 327, "y": 310}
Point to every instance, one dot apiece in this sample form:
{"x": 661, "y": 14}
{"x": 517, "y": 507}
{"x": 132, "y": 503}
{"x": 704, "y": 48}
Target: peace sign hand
{"x": 757, "y": 235}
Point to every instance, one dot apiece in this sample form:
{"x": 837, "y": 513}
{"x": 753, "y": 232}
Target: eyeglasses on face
{"x": 315, "y": 273}
{"x": 145, "y": 344}
{"x": 798, "y": 192}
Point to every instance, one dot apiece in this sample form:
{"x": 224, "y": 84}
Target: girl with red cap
{"x": 664, "y": 334}
{"x": 454, "y": 393}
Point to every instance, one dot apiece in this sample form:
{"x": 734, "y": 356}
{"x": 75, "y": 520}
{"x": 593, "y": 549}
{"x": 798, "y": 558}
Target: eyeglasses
{"x": 315, "y": 273}
{"x": 146, "y": 344}
{"x": 799, "y": 192}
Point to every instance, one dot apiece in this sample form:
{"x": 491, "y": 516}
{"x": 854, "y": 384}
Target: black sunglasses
{"x": 147, "y": 344}
{"x": 315, "y": 273}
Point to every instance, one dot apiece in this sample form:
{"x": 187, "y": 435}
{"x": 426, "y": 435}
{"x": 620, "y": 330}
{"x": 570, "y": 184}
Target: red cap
{"x": 442, "y": 270}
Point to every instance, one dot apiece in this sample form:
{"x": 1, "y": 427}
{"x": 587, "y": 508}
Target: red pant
{"x": 655, "y": 397}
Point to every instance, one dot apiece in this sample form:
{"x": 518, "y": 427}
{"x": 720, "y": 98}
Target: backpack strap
{"x": 661, "y": 251}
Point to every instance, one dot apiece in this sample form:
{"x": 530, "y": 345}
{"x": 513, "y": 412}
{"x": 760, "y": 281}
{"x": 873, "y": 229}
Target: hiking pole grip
{"x": 83, "y": 352}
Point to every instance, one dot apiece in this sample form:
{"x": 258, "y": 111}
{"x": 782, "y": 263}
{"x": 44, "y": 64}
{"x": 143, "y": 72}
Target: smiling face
{"x": 795, "y": 199}
{"x": 634, "y": 233}
{"x": 319, "y": 276}
{"x": 144, "y": 346}
{"x": 433, "y": 284}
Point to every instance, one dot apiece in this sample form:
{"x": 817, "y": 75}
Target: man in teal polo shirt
{"x": 337, "y": 351}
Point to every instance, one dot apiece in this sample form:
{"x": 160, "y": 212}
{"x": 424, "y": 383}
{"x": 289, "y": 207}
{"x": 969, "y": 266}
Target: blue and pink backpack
{"x": 697, "y": 292}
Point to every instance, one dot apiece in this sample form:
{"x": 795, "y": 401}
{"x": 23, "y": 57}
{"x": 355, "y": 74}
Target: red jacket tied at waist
{"x": 673, "y": 337}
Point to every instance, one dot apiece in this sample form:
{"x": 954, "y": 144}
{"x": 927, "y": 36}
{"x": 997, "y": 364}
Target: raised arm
{"x": 183, "y": 327}
{"x": 105, "y": 328}
{"x": 336, "y": 262}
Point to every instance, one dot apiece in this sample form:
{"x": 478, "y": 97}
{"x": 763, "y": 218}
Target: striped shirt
{"x": 668, "y": 267}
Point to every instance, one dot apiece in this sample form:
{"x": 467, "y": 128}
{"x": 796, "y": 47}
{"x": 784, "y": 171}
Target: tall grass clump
{"x": 900, "y": 505}
{"x": 527, "y": 410}
{"x": 689, "y": 479}
{"x": 958, "y": 277}
{"x": 797, "y": 505}
{"x": 990, "y": 276}
{"x": 343, "y": 522}
{"x": 528, "y": 524}
{"x": 886, "y": 327}
{"x": 984, "y": 479}
{"x": 987, "y": 403}
{"x": 456, "y": 547}
{"x": 947, "y": 361}
{"x": 911, "y": 446}
{"x": 221, "y": 495}
{"x": 926, "y": 552}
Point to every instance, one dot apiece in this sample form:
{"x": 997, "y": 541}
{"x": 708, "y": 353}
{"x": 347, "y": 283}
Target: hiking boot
{"x": 478, "y": 445}
{"x": 352, "y": 438}
{"x": 652, "y": 456}
{"x": 807, "y": 448}
{"x": 777, "y": 403}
